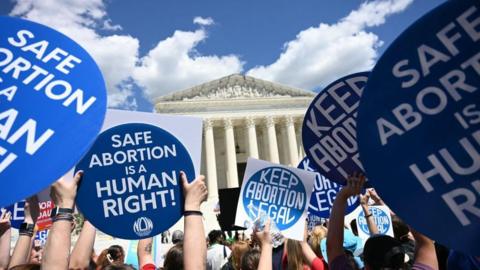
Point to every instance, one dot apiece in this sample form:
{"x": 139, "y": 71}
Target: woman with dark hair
{"x": 174, "y": 258}
{"x": 113, "y": 255}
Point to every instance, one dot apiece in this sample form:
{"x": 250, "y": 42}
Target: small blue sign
{"x": 382, "y": 220}
{"x": 52, "y": 106}
{"x": 324, "y": 193}
{"x": 277, "y": 191}
{"x": 419, "y": 125}
{"x": 17, "y": 211}
{"x": 132, "y": 179}
{"x": 329, "y": 128}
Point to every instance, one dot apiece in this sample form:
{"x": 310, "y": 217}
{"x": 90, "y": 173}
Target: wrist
{"x": 28, "y": 220}
{"x": 66, "y": 204}
{"x": 192, "y": 207}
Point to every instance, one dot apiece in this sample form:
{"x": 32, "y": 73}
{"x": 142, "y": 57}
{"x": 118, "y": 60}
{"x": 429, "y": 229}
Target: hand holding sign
{"x": 355, "y": 183}
{"x": 64, "y": 192}
{"x": 195, "y": 193}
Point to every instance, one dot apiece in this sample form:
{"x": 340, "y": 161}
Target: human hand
{"x": 63, "y": 192}
{"x": 364, "y": 199}
{"x": 195, "y": 192}
{"x": 373, "y": 194}
{"x": 264, "y": 236}
{"x": 354, "y": 186}
{"x": 5, "y": 223}
{"x": 32, "y": 210}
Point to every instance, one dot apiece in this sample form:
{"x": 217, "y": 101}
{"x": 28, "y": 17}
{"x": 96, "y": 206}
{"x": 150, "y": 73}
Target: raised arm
{"x": 265, "y": 262}
{"x": 57, "y": 250}
{"x": 21, "y": 252}
{"x": 337, "y": 216}
{"x": 372, "y": 226}
{"x": 194, "y": 243}
{"x": 5, "y": 236}
{"x": 82, "y": 252}
{"x": 424, "y": 251}
{"x": 144, "y": 252}
{"x": 313, "y": 261}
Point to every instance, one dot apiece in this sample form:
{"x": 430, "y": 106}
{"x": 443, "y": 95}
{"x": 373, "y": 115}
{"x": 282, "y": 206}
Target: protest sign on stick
{"x": 418, "y": 125}
{"x": 283, "y": 193}
{"x": 52, "y": 106}
{"x": 329, "y": 128}
{"x": 324, "y": 193}
{"x": 132, "y": 179}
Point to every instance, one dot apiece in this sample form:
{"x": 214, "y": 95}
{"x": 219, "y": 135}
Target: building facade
{"x": 242, "y": 117}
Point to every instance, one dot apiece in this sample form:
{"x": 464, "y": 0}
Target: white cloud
{"x": 322, "y": 54}
{"x": 116, "y": 55}
{"x": 203, "y": 21}
{"x": 174, "y": 64}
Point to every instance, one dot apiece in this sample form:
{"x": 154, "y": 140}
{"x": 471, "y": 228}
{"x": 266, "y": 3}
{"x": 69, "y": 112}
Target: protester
{"x": 177, "y": 237}
{"x": 380, "y": 252}
{"x": 175, "y": 258}
{"x": 144, "y": 254}
{"x": 114, "y": 255}
{"x": 251, "y": 261}
{"x": 5, "y": 235}
{"x": 238, "y": 249}
{"x": 318, "y": 233}
{"x": 218, "y": 252}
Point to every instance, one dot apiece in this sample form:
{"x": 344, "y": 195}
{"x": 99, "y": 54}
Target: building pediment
{"x": 236, "y": 86}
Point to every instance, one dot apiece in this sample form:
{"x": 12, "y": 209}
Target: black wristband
{"x": 369, "y": 215}
{"x": 192, "y": 213}
{"x": 64, "y": 216}
{"x": 58, "y": 211}
{"x": 26, "y": 229}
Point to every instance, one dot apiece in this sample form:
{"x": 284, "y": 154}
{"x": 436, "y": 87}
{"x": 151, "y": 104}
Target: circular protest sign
{"x": 324, "y": 193}
{"x": 52, "y": 106}
{"x": 329, "y": 128}
{"x": 380, "y": 217}
{"x": 132, "y": 179}
{"x": 418, "y": 125}
{"x": 277, "y": 191}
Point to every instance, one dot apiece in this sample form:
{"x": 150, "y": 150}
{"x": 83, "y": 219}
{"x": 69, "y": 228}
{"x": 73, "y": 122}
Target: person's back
{"x": 217, "y": 253}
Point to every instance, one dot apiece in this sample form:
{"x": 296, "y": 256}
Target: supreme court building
{"x": 242, "y": 117}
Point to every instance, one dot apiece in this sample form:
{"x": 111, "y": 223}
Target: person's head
{"x": 400, "y": 229}
{"x": 383, "y": 251}
{"x": 250, "y": 260}
{"x": 111, "y": 255}
{"x": 295, "y": 258}
{"x": 318, "y": 233}
{"x": 177, "y": 237}
{"x": 238, "y": 249}
{"x": 174, "y": 258}
{"x": 215, "y": 237}
{"x": 36, "y": 253}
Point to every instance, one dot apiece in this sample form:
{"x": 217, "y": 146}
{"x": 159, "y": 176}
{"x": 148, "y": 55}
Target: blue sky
{"x": 148, "y": 48}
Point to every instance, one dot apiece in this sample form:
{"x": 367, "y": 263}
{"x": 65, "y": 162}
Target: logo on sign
{"x": 381, "y": 219}
{"x": 277, "y": 191}
{"x": 143, "y": 226}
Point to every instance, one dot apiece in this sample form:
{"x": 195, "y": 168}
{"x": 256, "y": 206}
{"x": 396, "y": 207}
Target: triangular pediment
{"x": 236, "y": 86}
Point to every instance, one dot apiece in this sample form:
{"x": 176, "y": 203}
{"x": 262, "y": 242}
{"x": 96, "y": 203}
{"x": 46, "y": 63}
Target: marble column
{"x": 231, "y": 155}
{"x": 252, "y": 138}
{"x": 292, "y": 141}
{"x": 301, "y": 152}
{"x": 210, "y": 159}
{"x": 272, "y": 140}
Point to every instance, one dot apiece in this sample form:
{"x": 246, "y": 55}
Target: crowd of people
{"x": 330, "y": 245}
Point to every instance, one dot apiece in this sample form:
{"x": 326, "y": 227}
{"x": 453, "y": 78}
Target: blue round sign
{"x": 329, "y": 128}
{"x": 52, "y": 106}
{"x": 418, "y": 125}
{"x": 132, "y": 179}
{"x": 382, "y": 220}
{"x": 278, "y": 192}
{"x": 324, "y": 193}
